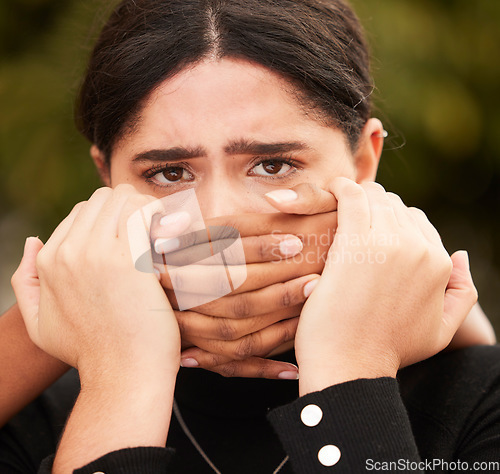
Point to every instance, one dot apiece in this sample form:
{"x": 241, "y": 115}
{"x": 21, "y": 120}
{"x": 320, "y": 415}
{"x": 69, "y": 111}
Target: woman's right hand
{"x": 85, "y": 303}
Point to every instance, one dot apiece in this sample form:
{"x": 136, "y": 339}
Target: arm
{"x": 125, "y": 349}
{"x": 367, "y": 318}
{"x": 25, "y": 370}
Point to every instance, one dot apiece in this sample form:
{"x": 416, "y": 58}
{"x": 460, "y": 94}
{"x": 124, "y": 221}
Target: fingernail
{"x": 28, "y": 240}
{"x": 177, "y": 219}
{"x": 309, "y": 287}
{"x": 282, "y": 195}
{"x": 289, "y": 375}
{"x": 189, "y": 362}
{"x": 166, "y": 245}
{"x": 291, "y": 246}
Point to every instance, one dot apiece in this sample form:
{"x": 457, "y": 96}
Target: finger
{"x": 26, "y": 286}
{"x": 134, "y": 226}
{"x": 170, "y": 225}
{"x": 305, "y": 198}
{"x": 382, "y": 215}
{"x": 259, "y": 343}
{"x": 353, "y": 206}
{"x": 254, "y": 367}
{"x": 106, "y": 221}
{"x": 268, "y": 223}
{"x": 400, "y": 210}
{"x": 212, "y": 280}
{"x": 86, "y": 218}
{"x": 261, "y": 248}
{"x": 427, "y": 229}
{"x": 196, "y": 325}
{"x": 460, "y": 296}
{"x": 277, "y": 297}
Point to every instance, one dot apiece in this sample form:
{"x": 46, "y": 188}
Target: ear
{"x": 367, "y": 155}
{"x": 101, "y": 165}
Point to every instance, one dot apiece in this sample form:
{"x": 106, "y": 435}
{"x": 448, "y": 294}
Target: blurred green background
{"x": 437, "y": 71}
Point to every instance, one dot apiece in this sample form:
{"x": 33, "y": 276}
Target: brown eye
{"x": 173, "y": 174}
{"x": 271, "y": 168}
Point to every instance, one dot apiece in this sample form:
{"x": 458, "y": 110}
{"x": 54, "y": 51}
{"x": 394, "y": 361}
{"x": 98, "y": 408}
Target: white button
{"x": 311, "y": 415}
{"x": 329, "y": 455}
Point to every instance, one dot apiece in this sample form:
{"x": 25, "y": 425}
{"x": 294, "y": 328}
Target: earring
{"x": 383, "y": 134}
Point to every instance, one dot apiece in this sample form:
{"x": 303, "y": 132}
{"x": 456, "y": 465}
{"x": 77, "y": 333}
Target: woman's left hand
{"x": 389, "y": 295}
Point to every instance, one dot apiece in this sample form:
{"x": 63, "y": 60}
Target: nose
{"x": 223, "y": 198}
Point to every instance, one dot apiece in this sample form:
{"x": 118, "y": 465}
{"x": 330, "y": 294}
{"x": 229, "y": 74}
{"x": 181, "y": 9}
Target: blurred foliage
{"x": 437, "y": 81}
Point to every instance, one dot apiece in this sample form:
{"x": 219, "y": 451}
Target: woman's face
{"x": 230, "y": 129}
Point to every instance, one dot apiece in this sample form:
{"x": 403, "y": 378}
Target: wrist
{"x": 116, "y": 377}
{"x": 129, "y": 367}
{"x": 115, "y": 413}
{"x": 315, "y": 377}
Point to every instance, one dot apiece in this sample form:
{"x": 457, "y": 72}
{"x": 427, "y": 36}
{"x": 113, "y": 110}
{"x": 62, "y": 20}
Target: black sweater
{"x": 445, "y": 409}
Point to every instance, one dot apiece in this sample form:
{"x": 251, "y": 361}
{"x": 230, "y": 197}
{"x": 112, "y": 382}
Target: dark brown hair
{"x": 317, "y": 45}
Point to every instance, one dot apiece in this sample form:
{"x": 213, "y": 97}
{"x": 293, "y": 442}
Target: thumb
{"x": 27, "y": 285}
{"x": 305, "y": 198}
{"x": 461, "y": 294}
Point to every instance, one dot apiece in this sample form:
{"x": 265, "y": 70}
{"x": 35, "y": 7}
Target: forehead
{"x": 213, "y": 102}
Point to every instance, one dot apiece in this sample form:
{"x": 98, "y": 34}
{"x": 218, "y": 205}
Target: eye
{"x": 172, "y": 174}
{"x": 271, "y": 168}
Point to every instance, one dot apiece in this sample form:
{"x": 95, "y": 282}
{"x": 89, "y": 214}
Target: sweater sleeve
{"x": 146, "y": 460}
{"x": 349, "y": 427}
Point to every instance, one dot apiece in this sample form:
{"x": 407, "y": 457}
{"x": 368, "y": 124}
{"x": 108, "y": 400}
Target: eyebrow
{"x": 238, "y": 147}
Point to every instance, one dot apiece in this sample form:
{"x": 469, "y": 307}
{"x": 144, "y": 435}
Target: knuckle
{"x": 102, "y": 192}
{"x": 262, "y": 370}
{"x": 447, "y": 265}
{"x": 244, "y": 348}
{"x": 286, "y": 296}
{"x": 418, "y": 212}
{"x": 310, "y": 207}
{"x": 78, "y": 206}
{"x": 124, "y": 188}
{"x": 394, "y": 197}
{"x": 41, "y": 260}
{"x": 14, "y": 279}
{"x": 353, "y": 191}
{"x": 473, "y": 293}
{"x": 66, "y": 254}
{"x": 228, "y": 370}
{"x": 286, "y": 333}
{"x": 225, "y": 330}
{"x": 213, "y": 361}
{"x": 262, "y": 248}
{"x": 240, "y": 306}
{"x": 307, "y": 188}
{"x": 188, "y": 240}
{"x": 371, "y": 185}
